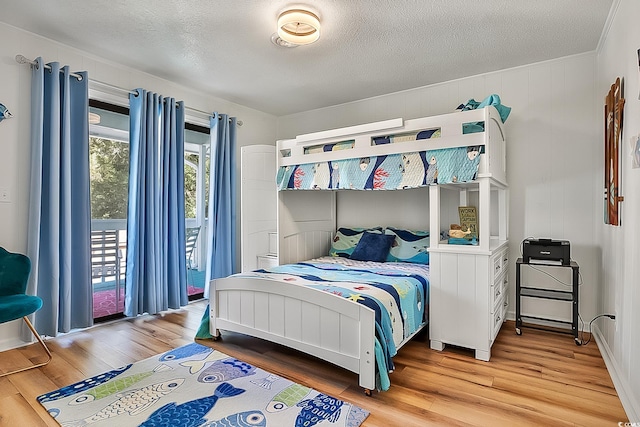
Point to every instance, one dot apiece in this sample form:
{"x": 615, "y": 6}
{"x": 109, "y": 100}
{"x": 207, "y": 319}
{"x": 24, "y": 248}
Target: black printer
{"x": 546, "y": 251}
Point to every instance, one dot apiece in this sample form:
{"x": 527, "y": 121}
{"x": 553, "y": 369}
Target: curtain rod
{"x": 20, "y": 59}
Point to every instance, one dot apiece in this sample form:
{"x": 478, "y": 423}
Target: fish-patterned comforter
{"x": 384, "y": 172}
{"x": 397, "y": 292}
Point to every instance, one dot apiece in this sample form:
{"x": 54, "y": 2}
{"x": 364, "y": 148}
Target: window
{"x": 196, "y": 144}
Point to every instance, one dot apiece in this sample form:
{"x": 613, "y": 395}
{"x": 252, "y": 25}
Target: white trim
{"x": 109, "y": 97}
{"x": 607, "y": 25}
{"x": 107, "y": 132}
{"x": 14, "y": 343}
{"x": 629, "y": 402}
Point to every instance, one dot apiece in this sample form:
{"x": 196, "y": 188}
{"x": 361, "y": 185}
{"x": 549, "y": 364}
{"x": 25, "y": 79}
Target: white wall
{"x": 619, "y": 292}
{"x": 553, "y": 155}
{"x": 258, "y": 127}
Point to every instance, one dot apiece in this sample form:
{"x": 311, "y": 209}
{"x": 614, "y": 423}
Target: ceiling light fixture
{"x": 298, "y": 26}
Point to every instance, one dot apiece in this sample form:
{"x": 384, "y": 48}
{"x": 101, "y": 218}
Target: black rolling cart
{"x": 531, "y": 292}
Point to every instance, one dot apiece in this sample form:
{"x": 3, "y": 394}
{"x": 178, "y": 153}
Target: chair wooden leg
{"x": 42, "y": 344}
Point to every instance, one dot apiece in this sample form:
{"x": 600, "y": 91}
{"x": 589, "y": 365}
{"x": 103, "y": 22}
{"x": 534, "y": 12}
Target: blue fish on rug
{"x": 225, "y": 370}
{"x": 81, "y": 386}
{"x": 185, "y": 351}
{"x": 318, "y": 409}
{"x": 190, "y": 414}
{"x": 199, "y": 364}
{"x": 356, "y": 416}
{"x": 133, "y": 402}
{"x": 242, "y": 419}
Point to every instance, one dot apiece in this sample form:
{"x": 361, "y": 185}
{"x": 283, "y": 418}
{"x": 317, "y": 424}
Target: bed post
{"x": 213, "y": 311}
{"x": 367, "y": 350}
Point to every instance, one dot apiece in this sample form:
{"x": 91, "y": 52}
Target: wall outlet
{"x": 5, "y": 195}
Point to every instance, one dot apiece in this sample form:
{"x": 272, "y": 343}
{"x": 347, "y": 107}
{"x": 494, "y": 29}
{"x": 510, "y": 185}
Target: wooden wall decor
{"x": 613, "y": 108}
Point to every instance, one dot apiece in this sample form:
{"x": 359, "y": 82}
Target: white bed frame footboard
{"x": 312, "y": 321}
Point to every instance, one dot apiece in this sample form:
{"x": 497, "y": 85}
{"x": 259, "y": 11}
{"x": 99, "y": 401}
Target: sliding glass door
{"x": 109, "y": 175}
{"x": 196, "y": 195}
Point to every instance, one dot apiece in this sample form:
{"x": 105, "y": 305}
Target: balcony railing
{"x": 108, "y": 266}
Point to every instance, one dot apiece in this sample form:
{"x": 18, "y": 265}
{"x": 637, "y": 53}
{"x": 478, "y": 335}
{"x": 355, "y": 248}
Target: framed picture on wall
{"x": 613, "y": 115}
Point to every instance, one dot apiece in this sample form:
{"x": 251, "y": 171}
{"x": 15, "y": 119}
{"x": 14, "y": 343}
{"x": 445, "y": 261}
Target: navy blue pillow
{"x": 373, "y": 247}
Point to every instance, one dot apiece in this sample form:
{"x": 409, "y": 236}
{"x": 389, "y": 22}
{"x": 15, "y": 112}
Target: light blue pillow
{"x": 409, "y": 246}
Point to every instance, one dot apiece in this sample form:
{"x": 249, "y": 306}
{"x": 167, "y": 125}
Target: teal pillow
{"x": 346, "y": 240}
{"x": 373, "y": 247}
{"x": 409, "y": 246}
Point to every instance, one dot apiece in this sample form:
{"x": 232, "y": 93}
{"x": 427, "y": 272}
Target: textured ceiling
{"x": 366, "y": 48}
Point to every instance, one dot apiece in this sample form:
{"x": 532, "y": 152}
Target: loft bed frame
{"x": 306, "y": 319}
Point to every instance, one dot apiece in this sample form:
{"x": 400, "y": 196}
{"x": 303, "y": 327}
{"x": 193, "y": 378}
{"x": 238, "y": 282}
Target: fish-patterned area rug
{"x": 197, "y": 386}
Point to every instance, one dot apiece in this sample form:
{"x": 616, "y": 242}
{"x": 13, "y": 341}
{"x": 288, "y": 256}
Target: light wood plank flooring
{"x": 539, "y": 378}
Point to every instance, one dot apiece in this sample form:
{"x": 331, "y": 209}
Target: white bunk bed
{"x": 307, "y": 319}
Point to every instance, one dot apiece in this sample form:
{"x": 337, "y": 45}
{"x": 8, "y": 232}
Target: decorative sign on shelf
{"x": 469, "y": 220}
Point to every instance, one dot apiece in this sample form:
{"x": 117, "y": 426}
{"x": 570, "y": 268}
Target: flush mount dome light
{"x": 298, "y": 26}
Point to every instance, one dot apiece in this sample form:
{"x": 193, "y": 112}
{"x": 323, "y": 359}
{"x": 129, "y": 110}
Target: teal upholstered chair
{"x": 14, "y": 303}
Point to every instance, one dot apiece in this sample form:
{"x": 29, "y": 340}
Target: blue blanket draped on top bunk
{"x": 397, "y": 296}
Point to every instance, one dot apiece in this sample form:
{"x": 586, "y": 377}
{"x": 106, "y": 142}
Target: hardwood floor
{"x": 539, "y": 378}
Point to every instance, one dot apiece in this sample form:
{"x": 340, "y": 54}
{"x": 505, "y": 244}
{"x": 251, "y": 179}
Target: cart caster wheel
{"x": 518, "y": 331}
{"x": 578, "y": 342}
{"x": 367, "y": 392}
{"x": 215, "y": 338}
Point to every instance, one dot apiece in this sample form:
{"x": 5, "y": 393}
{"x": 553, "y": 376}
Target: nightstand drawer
{"x": 498, "y": 316}
{"x": 499, "y": 264}
{"x": 498, "y": 289}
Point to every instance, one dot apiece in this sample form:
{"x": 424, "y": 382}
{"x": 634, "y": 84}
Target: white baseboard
{"x": 11, "y": 343}
{"x": 10, "y": 335}
{"x": 629, "y": 402}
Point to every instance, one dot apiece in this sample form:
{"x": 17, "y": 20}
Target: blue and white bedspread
{"x": 397, "y": 292}
{"x": 386, "y": 172}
